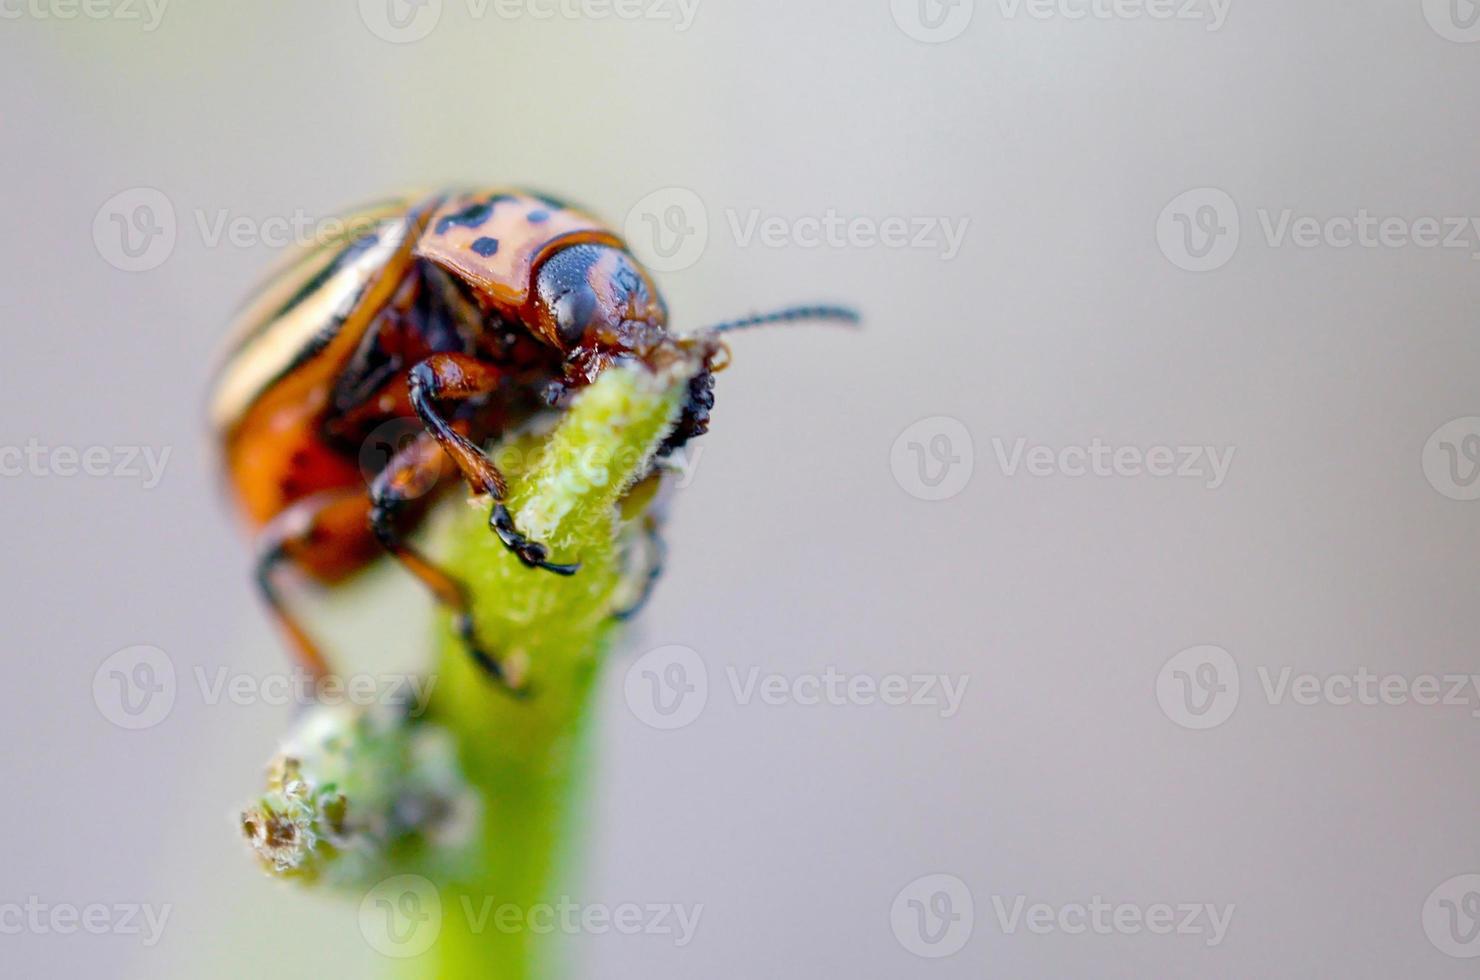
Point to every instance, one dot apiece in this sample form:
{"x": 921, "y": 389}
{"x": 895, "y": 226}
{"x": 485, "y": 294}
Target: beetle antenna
{"x": 838, "y": 314}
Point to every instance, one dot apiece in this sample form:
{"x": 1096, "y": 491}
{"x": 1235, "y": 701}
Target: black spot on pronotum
{"x": 538, "y": 217}
{"x": 469, "y": 217}
{"x": 472, "y": 216}
{"x": 485, "y": 246}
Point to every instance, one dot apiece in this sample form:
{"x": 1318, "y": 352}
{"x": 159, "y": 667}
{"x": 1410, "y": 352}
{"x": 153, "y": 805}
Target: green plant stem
{"x": 524, "y": 756}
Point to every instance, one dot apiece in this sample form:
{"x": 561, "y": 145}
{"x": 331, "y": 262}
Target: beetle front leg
{"x": 412, "y": 473}
{"x": 455, "y": 377}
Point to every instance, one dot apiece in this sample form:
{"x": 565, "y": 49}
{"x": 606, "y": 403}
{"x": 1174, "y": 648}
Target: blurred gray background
{"x": 1092, "y": 302}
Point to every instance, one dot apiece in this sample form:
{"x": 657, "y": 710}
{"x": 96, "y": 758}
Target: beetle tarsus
{"x": 531, "y": 553}
{"x": 486, "y": 662}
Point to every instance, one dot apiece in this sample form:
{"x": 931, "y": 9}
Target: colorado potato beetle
{"x": 468, "y": 311}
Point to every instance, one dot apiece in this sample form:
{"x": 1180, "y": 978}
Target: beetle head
{"x": 597, "y": 297}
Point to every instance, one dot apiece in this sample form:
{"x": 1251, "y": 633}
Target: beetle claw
{"x": 531, "y": 553}
{"x": 570, "y": 569}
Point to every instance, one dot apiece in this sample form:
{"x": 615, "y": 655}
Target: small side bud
{"x": 349, "y": 788}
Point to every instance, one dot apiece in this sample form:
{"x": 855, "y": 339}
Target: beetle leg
{"x": 657, "y": 557}
{"x": 289, "y": 536}
{"x": 454, "y": 377}
{"x": 412, "y": 473}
